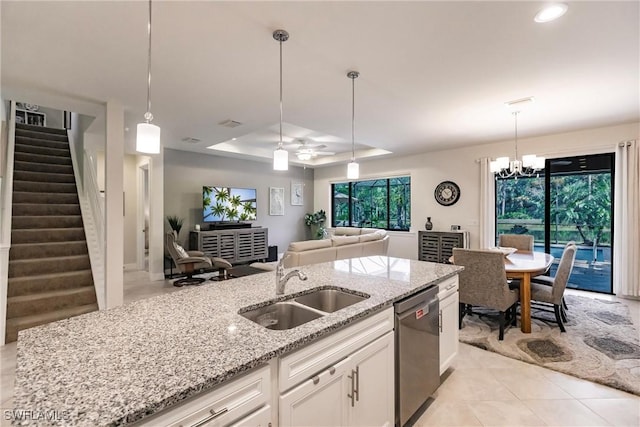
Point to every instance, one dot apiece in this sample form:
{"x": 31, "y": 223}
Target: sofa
{"x": 344, "y": 242}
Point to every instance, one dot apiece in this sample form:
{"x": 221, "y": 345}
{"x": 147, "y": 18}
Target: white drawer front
{"x": 302, "y": 364}
{"x": 221, "y": 405}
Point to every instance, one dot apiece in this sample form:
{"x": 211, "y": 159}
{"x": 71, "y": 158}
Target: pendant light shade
{"x": 148, "y": 135}
{"x": 353, "y": 169}
{"x": 280, "y": 155}
{"x": 148, "y": 138}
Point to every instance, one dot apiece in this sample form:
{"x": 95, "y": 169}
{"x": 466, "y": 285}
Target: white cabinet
{"x": 240, "y": 402}
{"x": 448, "y": 322}
{"x": 357, "y": 391}
{"x": 344, "y": 379}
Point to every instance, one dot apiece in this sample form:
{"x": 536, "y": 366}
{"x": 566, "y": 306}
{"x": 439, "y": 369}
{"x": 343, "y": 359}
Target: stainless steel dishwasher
{"x": 417, "y": 352}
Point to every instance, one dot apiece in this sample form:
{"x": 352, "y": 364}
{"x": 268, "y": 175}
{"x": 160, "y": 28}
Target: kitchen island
{"x": 118, "y": 366}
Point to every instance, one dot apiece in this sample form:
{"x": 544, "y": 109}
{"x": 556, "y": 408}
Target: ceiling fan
{"x": 305, "y": 151}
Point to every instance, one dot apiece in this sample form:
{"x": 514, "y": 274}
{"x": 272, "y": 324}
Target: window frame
{"x": 387, "y": 203}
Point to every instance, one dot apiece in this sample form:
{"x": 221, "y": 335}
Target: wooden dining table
{"x": 524, "y": 265}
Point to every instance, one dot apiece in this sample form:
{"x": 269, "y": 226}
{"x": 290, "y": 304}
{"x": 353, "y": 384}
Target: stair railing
{"x": 5, "y": 217}
{"x": 92, "y": 208}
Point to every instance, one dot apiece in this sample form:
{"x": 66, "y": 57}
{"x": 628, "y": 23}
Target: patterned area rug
{"x": 600, "y": 345}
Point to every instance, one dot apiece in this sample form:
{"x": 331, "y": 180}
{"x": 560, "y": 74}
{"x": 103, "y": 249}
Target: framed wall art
{"x": 276, "y": 201}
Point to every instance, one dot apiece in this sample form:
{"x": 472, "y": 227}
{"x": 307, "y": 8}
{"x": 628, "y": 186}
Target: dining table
{"x": 524, "y": 265}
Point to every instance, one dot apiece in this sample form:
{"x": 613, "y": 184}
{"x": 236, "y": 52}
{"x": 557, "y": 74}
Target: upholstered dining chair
{"x": 554, "y": 294}
{"x": 548, "y": 280}
{"x": 186, "y": 261}
{"x": 522, "y": 242}
{"x": 483, "y": 282}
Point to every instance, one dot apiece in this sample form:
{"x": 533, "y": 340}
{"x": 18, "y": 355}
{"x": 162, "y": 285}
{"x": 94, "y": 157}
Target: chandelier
{"x": 530, "y": 164}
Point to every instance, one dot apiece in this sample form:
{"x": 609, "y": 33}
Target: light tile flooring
{"x": 481, "y": 389}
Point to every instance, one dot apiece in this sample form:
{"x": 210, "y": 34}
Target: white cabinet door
{"x": 373, "y": 372}
{"x": 319, "y": 401}
{"x": 448, "y": 330}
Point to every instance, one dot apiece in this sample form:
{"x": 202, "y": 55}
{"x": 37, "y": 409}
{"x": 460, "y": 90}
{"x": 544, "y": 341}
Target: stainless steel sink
{"x": 281, "y": 315}
{"x": 330, "y": 300}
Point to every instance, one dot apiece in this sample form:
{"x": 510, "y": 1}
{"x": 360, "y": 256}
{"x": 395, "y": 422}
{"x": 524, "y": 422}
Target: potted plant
{"x": 316, "y": 222}
{"x": 175, "y": 222}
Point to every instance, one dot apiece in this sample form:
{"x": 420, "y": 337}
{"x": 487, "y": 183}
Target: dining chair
{"x": 522, "y": 242}
{"x": 483, "y": 282}
{"x": 553, "y": 294}
{"x": 548, "y": 280}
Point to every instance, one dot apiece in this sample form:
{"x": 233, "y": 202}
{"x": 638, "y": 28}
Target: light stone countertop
{"x": 117, "y": 366}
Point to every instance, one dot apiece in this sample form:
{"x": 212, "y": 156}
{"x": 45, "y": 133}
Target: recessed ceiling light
{"x": 551, "y": 12}
{"x": 234, "y": 139}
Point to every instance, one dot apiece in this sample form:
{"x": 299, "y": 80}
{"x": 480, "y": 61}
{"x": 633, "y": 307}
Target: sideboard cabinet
{"x": 235, "y": 245}
{"x": 437, "y": 246}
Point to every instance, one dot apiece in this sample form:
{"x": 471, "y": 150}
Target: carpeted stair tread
{"x": 42, "y": 142}
{"x": 44, "y": 235}
{"x": 48, "y": 282}
{"x": 41, "y": 129}
{"x": 42, "y": 158}
{"x": 48, "y": 221}
{"x": 41, "y": 135}
{"x": 42, "y": 302}
{"x": 39, "y": 209}
{"x": 19, "y": 165}
{"x": 20, "y": 323}
{"x": 27, "y": 267}
{"x": 47, "y": 250}
{"x": 47, "y": 151}
{"x": 44, "y": 177}
{"x": 44, "y": 187}
{"x": 55, "y": 198}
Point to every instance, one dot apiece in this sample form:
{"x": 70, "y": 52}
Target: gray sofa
{"x": 345, "y": 242}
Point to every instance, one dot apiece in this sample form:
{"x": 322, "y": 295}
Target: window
{"x": 377, "y": 203}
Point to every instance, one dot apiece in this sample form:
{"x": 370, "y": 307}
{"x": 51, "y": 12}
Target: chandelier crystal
{"x": 530, "y": 164}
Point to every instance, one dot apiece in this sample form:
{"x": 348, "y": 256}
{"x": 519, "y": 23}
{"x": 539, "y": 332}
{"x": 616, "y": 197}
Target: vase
{"x": 428, "y": 225}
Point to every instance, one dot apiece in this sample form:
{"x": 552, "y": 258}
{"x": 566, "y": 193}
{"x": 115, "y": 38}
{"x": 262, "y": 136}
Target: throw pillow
{"x": 181, "y": 251}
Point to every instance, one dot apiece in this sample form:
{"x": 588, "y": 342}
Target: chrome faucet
{"x": 282, "y": 279}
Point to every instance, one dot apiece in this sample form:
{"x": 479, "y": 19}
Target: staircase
{"x": 49, "y": 268}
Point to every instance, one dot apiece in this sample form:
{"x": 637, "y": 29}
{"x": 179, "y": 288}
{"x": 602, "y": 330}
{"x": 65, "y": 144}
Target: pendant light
{"x": 148, "y": 135}
{"x": 280, "y": 155}
{"x": 353, "y": 169}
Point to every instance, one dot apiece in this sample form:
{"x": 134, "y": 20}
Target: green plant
{"x": 175, "y": 222}
{"x": 315, "y": 218}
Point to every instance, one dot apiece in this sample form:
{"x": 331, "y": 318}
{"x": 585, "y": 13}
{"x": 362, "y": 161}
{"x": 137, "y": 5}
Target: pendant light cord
{"x": 280, "y": 144}
{"x": 148, "y": 115}
{"x": 515, "y": 113}
{"x": 353, "y": 119}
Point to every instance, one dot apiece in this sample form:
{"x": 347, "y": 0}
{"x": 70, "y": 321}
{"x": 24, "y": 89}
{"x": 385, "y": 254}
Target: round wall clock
{"x": 447, "y": 193}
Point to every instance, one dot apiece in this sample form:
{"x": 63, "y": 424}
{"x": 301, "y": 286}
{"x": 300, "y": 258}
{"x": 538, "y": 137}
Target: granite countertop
{"x": 116, "y": 366}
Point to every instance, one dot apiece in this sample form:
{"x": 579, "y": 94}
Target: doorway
{"x": 571, "y": 200}
{"x": 143, "y": 217}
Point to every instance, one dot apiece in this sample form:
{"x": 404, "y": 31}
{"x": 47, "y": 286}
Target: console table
{"x": 437, "y": 246}
{"x": 235, "y": 245}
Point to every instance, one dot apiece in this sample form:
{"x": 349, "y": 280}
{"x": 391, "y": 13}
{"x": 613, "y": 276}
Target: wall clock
{"x": 447, "y": 193}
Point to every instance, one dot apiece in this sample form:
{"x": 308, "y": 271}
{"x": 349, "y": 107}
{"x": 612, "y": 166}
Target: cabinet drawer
{"x": 302, "y": 364}
{"x": 447, "y": 287}
{"x": 230, "y": 401}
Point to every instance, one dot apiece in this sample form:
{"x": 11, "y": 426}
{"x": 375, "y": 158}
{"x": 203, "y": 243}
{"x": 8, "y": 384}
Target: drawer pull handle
{"x": 213, "y": 415}
{"x": 440, "y": 321}
{"x": 357, "y": 390}
{"x": 451, "y": 286}
{"x": 332, "y": 370}
{"x": 316, "y": 380}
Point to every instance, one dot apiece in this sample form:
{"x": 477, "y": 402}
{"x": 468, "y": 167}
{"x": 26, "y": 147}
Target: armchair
{"x": 185, "y": 261}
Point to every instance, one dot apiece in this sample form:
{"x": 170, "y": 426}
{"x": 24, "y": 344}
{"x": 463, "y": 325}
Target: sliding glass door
{"x": 572, "y": 200}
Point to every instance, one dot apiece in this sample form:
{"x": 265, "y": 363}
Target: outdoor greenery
{"x": 378, "y": 203}
{"x": 222, "y": 204}
{"x": 580, "y": 207}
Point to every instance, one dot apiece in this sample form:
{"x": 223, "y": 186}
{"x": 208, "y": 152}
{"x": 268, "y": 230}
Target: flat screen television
{"x": 220, "y": 204}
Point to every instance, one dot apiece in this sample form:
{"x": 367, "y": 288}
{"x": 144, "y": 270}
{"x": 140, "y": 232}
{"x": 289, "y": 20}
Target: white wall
{"x": 55, "y": 118}
{"x": 186, "y": 173}
{"x": 460, "y": 165}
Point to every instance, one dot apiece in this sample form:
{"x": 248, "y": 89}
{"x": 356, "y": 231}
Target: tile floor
{"x": 481, "y": 389}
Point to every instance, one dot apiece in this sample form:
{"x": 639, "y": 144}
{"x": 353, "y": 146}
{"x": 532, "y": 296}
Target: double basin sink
{"x": 302, "y": 309}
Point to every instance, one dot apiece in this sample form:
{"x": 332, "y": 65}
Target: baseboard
{"x": 130, "y": 267}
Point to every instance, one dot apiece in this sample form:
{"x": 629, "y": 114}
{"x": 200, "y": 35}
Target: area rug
{"x": 600, "y": 345}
